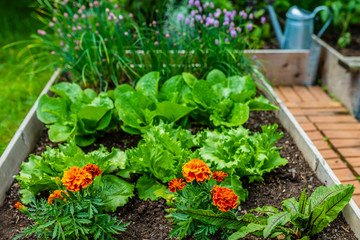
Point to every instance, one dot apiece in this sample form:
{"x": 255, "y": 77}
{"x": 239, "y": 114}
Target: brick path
{"x": 330, "y": 127}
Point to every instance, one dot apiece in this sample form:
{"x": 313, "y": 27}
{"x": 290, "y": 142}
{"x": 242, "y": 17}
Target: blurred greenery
{"x": 19, "y": 88}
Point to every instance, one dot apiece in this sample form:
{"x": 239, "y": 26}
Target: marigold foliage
{"x": 196, "y": 169}
{"x": 219, "y": 176}
{"x": 224, "y": 198}
{"x": 76, "y": 179}
{"x": 93, "y": 170}
{"x": 57, "y": 194}
{"x": 176, "y": 184}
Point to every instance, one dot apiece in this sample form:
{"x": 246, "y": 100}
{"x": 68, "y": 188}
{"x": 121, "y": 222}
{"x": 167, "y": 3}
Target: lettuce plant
{"x": 146, "y": 105}
{"x": 298, "y": 220}
{"x": 76, "y": 113}
{"x": 39, "y": 173}
{"x": 236, "y": 152}
{"x": 222, "y": 101}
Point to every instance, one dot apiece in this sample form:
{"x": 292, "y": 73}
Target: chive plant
{"x": 104, "y": 45}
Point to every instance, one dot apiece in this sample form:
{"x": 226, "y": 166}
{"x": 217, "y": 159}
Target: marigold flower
{"x": 19, "y": 205}
{"x": 219, "y": 176}
{"x": 176, "y": 184}
{"x": 57, "y": 194}
{"x": 93, "y": 170}
{"x": 224, "y": 198}
{"x": 196, "y": 169}
{"x": 76, "y": 179}
{"x": 22, "y": 208}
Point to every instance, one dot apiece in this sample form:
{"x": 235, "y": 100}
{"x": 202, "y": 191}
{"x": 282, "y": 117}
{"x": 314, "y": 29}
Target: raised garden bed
{"x": 146, "y": 218}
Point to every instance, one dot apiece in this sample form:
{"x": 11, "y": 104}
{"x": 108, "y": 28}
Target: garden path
{"x": 331, "y": 128}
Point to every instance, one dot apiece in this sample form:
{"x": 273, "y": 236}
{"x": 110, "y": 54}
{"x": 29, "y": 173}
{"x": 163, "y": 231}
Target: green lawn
{"x": 18, "y": 88}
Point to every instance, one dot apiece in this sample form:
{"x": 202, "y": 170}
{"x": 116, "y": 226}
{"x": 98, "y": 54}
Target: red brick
{"x": 356, "y": 198}
{"x": 338, "y": 126}
{"x": 349, "y": 152}
{"x": 289, "y": 94}
{"x": 296, "y": 111}
{"x": 304, "y": 94}
{"x": 302, "y": 119}
{"x": 292, "y": 105}
{"x": 353, "y": 161}
{"x": 336, "y": 164}
{"x": 357, "y": 170}
{"x": 319, "y": 94}
{"x": 280, "y": 95}
{"x": 344, "y": 174}
{"x": 317, "y": 105}
{"x": 315, "y": 135}
{"x": 321, "y": 145}
{"x": 323, "y": 111}
{"x": 340, "y": 143}
{"x": 356, "y": 184}
{"x": 308, "y": 127}
{"x": 343, "y": 134}
{"x": 333, "y": 119}
{"x": 329, "y": 154}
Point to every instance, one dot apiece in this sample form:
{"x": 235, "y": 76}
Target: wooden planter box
{"x": 341, "y": 76}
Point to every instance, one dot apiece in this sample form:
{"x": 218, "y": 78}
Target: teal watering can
{"x": 299, "y": 27}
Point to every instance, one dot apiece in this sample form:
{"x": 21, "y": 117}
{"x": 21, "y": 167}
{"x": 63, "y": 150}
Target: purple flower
{"x": 76, "y": 16}
{"x": 193, "y": 12}
{"x": 121, "y": 17}
{"x": 238, "y": 29}
{"x": 131, "y": 15}
{"x": 53, "y": 52}
{"x": 197, "y": 3}
{"x": 156, "y": 43}
{"x": 167, "y": 35}
{"x": 217, "y": 14}
{"x": 216, "y": 41}
{"x": 187, "y": 21}
{"x": 254, "y": 57}
{"x": 41, "y": 32}
{"x": 116, "y": 6}
{"x": 79, "y": 28}
{"x": 198, "y": 17}
{"x": 66, "y": 15}
{"x": 226, "y": 40}
{"x": 126, "y": 33}
{"x": 76, "y": 48}
{"x": 251, "y": 16}
{"x": 191, "y": 3}
{"x": 54, "y": 19}
{"x": 180, "y": 17}
{"x": 61, "y": 44}
{"x": 51, "y": 24}
{"x": 200, "y": 9}
{"x": 249, "y": 27}
{"x": 74, "y": 28}
{"x": 216, "y": 23}
{"x": 212, "y": 5}
{"x": 233, "y": 33}
{"x": 107, "y": 10}
{"x": 263, "y": 20}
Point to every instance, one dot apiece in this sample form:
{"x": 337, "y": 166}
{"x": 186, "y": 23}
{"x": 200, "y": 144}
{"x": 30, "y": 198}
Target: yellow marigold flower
{"x": 224, "y": 198}
{"x": 176, "y": 184}
{"x": 196, "y": 169}
{"x": 93, "y": 170}
{"x": 219, "y": 176}
{"x": 76, "y": 179}
{"x": 57, "y": 194}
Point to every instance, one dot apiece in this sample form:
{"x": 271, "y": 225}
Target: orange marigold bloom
{"x": 219, "y": 176}
{"x": 92, "y": 169}
{"x": 57, "y": 194}
{"x": 196, "y": 169}
{"x": 76, "y": 179}
{"x": 176, "y": 184}
{"x": 19, "y": 205}
{"x": 224, "y": 198}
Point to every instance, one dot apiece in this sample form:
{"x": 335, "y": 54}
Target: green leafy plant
{"x": 236, "y": 152}
{"x": 75, "y": 113}
{"x": 203, "y": 191}
{"x": 147, "y": 105}
{"x": 298, "y": 220}
{"x": 74, "y": 213}
{"x": 39, "y": 173}
{"x": 223, "y": 101}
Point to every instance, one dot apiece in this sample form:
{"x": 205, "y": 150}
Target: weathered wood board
{"x": 21, "y": 144}
{"x": 283, "y": 66}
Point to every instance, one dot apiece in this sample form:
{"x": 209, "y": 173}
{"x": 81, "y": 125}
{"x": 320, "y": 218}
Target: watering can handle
{"x": 318, "y": 9}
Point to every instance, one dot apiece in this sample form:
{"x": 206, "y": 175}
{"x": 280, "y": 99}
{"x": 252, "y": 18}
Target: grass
{"x": 19, "y": 88}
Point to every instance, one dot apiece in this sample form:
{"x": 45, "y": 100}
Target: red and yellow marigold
{"x": 93, "y": 170}
{"x": 57, "y": 194}
{"x": 196, "y": 169}
{"x": 176, "y": 184}
{"x": 76, "y": 179}
{"x": 224, "y": 198}
{"x": 219, "y": 176}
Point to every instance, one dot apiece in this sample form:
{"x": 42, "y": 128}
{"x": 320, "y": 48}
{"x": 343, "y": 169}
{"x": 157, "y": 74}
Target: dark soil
{"x": 146, "y": 218}
{"x": 353, "y": 49}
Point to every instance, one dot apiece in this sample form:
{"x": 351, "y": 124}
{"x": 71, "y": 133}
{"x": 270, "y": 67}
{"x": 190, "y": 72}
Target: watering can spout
{"x": 276, "y": 25}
